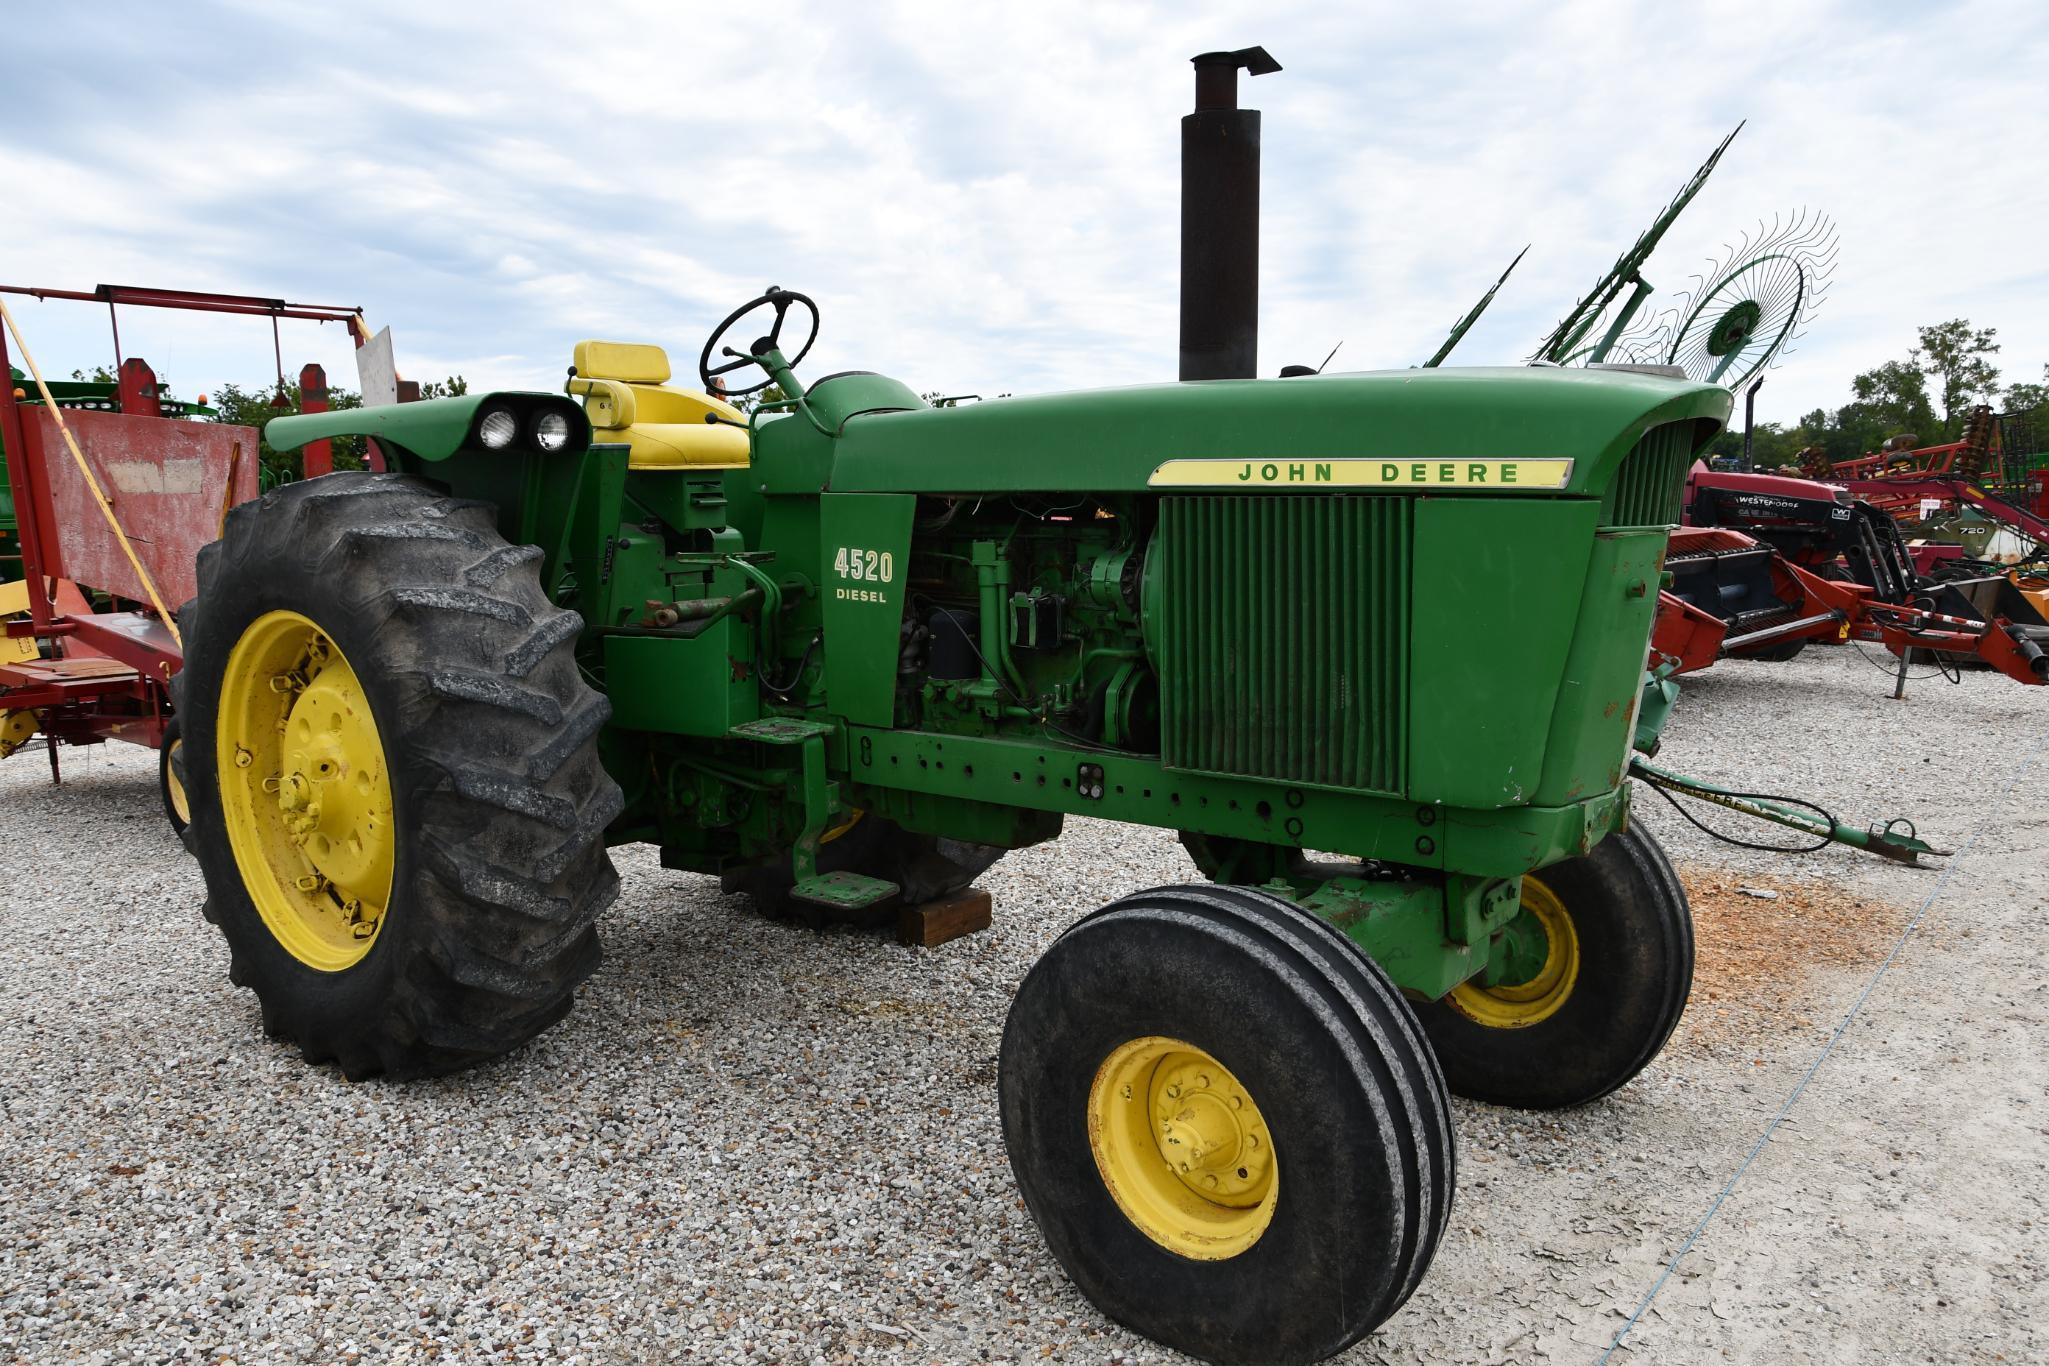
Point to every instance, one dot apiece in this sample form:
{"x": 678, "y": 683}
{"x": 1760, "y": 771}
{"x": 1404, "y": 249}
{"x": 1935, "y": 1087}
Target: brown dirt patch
{"x": 1762, "y": 965}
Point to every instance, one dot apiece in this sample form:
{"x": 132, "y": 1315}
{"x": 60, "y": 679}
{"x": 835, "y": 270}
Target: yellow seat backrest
{"x": 627, "y": 398}
{"x": 630, "y": 362}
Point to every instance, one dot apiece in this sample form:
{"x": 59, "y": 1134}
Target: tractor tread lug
{"x": 573, "y": 732}
{"x": 498, "y": 563}
{"x": 516, "y": 795}
{"x": 542, "y": 641}
{"x": 464, "y": 600}
{"x": 493, "y": 691}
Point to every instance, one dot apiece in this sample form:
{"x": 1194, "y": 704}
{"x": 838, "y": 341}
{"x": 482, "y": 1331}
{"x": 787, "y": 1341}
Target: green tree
{"x": 752, "y": 403}
{"x": 1772, "y": 444}
{"x": 2030, "y": 403}
{"x": 1955, "y": 353}
{"x": 1886, "y": 401}
{"x": 256, "y": 407}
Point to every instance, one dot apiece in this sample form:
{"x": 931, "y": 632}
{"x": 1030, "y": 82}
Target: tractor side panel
{"x": 1497, "y": 595}
{"x": 864, "y": 553}
{"x": 702, "y": 687}
{"x": 1591, "y": 730}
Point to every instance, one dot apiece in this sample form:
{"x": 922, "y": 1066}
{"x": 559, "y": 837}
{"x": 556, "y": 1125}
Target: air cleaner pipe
{"x": 992, "y": 579}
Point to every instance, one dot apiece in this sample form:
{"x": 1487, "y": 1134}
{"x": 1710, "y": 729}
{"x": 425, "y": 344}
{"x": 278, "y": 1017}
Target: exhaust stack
{"x": 1220, "y": 221}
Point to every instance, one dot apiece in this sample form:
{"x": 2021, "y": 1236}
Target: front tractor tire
{"x": 1596, "y": 972}
{"x": 1227, "y": 1124}
{"x": 391, "y": 770}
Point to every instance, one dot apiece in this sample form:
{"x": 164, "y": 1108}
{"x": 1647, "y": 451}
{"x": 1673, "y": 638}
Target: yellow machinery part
{"x": 181, "y": 805}
{"x": 14, "y": 603}
{"x": 1182, "y": 1148}
{"x": 627, "y": 398}
{"x": 1522, "y": 1004}
{"x": 15, "y": 729}
{"x": 305, "y": 792}
{"x": 2035, "y": 590}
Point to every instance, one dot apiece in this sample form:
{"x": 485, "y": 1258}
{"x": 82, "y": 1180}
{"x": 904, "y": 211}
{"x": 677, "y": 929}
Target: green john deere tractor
{"x": 1372, "y": 644}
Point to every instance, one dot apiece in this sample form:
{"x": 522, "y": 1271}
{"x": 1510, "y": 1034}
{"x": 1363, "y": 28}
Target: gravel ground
{"x": 753, "y": 1141}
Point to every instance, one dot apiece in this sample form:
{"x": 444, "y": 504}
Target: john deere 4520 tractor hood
{"x": 1510, "y": 429}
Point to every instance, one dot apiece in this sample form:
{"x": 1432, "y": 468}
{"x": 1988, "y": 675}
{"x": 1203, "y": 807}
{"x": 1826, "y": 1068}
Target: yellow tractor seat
{"x": 627, "y": 396}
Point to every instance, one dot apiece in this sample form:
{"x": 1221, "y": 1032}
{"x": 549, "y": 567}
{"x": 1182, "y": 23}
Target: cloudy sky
{"x": 984, "y": 198}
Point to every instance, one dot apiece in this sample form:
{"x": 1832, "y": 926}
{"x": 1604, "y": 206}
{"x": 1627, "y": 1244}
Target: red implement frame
{"x": 1829, "y": 610}
{"x": 105, "y": 675}
{"x": 1955, "y": 473}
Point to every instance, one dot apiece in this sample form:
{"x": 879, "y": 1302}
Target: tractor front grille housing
{"x": 1650, "y": 487}
{"x": 1283, "y": 637}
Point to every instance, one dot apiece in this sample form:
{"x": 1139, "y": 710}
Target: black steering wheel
{"x": 778, "y": 299}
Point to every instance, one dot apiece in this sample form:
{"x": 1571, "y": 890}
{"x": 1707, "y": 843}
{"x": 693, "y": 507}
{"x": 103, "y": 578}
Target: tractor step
{"x": 780, "y": 730}
{"x": 843, "y": 891}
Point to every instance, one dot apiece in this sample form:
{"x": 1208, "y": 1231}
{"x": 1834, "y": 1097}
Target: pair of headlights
{"x": 499, "y": 427}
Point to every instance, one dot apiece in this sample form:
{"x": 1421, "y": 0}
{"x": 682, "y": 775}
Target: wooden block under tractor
{"x": 934, "y": 923}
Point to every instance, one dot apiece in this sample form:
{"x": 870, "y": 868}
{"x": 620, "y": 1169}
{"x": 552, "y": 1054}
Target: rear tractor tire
{"x": 1227, "y": 1124}
{"x": 1600, "y": 963}
{"x": 392, "y": 774}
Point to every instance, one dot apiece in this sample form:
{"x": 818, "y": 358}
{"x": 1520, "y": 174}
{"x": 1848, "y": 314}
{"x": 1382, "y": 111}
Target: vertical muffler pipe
{"x": 1220, "y": 221}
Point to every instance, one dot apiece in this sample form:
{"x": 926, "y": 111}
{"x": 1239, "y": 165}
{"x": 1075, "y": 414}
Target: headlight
{"x": 497, "y": 429}
{"x": 551, "y": 430}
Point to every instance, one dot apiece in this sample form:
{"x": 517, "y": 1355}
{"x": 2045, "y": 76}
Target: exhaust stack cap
{"x": 1216, "y": 75}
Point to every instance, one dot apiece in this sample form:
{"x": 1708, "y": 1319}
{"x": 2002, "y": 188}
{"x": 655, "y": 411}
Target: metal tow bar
{"x": 1894, "y": 840}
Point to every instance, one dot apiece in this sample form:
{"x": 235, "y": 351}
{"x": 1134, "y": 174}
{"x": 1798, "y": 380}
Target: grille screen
{"x": 1651, "y": 484}
{"x": 1284, "y": 637}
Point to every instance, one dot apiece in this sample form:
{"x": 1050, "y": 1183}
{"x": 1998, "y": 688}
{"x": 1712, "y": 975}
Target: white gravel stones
{"x": 755, "y": 1142}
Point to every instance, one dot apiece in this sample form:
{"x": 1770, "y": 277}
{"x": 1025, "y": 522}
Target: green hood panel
{"x": 1112, "y": 439}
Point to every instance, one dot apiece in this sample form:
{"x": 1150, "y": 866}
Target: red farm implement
{"x": 1990, "y": 476}
{"x": 1768, "y": 564}
{"x": 111, "y": 492}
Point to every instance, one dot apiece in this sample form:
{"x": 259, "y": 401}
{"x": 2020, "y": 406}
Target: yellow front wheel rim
{"x": 1521, "y": 1004}
{"x": 305, "y": 791}
{"x": 181, "y": 806}
{"x": 1182, "y": 1148}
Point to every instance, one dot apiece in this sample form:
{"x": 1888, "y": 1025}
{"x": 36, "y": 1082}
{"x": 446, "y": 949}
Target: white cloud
{"x": 986, "y": 199}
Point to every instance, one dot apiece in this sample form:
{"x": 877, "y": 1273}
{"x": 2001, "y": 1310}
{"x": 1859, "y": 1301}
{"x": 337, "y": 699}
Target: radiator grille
{"x": 1651, "y": 484}
{"x": 1284, "y": 637}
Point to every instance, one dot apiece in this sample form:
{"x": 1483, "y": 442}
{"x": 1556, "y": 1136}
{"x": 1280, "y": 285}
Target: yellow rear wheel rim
{"x": 1182, "y": 1148}
{"x": 1519, "y": 1005}
{"x": 305, "y": 792}
{"x": 180, "y": 805}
